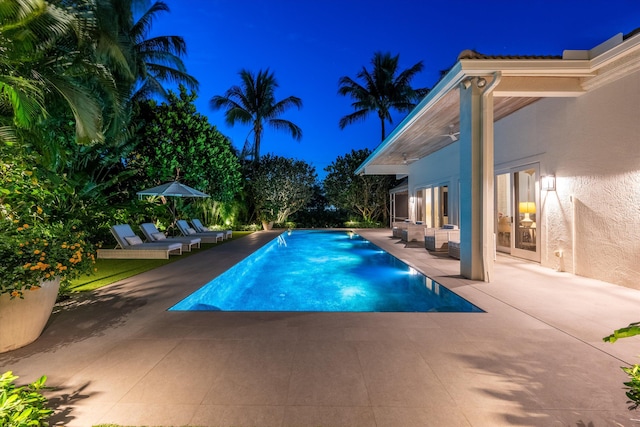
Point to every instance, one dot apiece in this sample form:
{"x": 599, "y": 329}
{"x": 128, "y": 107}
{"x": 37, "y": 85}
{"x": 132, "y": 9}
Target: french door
{"x": 432, "y": 206}
{"x": 516, "y": 212}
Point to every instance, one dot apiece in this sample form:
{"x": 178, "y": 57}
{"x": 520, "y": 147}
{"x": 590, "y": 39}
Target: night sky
{"x": 310, "y": 44}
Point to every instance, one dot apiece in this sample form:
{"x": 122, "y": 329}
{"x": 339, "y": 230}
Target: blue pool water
{"x": 312, "y": 270}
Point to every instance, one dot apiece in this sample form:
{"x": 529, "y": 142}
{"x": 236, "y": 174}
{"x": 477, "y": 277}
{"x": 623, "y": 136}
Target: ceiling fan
{"x": 453, "y": 135}
{"x": 406, "y": 161}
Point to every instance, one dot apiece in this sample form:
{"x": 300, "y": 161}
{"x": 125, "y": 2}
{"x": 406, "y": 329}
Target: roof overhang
{"x": 523, "y": 81}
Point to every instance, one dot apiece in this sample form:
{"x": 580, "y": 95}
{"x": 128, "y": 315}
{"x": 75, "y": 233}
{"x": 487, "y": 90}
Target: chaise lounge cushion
{"x": 159, "y": 236}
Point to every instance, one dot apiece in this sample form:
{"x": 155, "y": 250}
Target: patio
{"x": 535, "y": 358}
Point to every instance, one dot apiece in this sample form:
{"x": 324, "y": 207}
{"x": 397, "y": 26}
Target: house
{"x": 535, "y": 157}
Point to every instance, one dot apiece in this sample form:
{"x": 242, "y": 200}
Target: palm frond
{"x": 286, "y": 125}
{"x": 354, "y": 117}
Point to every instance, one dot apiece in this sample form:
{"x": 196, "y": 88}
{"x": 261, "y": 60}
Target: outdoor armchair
{"x": 437, "y": 239}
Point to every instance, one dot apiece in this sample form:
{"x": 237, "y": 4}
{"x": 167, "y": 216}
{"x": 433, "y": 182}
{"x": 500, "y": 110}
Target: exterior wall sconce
{"x": 480, "y": 82}
{"x": 548, "y": 183}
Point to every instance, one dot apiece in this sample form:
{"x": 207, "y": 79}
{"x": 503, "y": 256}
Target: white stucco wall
{"x": 440, "y": 168}
{"x": 592, "y": 145}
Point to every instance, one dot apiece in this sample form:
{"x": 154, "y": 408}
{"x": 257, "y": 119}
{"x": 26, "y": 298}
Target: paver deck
{"x": 535, "y": 358}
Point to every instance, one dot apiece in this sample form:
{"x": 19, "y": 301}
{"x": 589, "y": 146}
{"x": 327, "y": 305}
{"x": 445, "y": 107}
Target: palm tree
{"x": 382, "y": 90}
{"x": 40, "y": 66}
{"x": 253, "y": 102}
{"x": 141, "y": 64}
{"x": 158, "y": 59}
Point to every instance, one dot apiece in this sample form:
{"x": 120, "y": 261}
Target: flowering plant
{"x": 40, "y": 251}
{"x": 35, "y": 247}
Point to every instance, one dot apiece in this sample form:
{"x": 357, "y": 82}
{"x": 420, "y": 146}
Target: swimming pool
{"x": 314, "y": 270}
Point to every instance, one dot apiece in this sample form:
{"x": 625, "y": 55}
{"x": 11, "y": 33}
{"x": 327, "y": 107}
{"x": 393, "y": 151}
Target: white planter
{"x": 267, "y": 225}
{"x": 22, "y": 320}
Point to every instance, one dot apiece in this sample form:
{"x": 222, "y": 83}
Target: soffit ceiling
{"x": 522, "y": 83}
{"x": 429, "y": 133}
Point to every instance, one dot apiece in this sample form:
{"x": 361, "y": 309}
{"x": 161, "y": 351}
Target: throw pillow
{"x": 191, "y": 231}
{"x": 133, "y": 240}
{"x": 158, "y": 236}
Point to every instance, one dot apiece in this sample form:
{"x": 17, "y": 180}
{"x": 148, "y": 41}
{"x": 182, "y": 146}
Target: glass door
{"x": 444, "y": 203}
{"x": 525, "y": 190}
{"x": 504, "y": 213}
{"x": 419, "y": 206}
{"x": 517, "y": 212}
{"x": 437, "y": 220}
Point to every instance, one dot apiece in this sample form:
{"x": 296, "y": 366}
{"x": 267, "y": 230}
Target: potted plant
{"x": 38, "y": 258}
{"x": 39, "y": 254}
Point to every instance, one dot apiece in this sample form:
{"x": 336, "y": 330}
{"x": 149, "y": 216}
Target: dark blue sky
{"x": 310, "y": 44}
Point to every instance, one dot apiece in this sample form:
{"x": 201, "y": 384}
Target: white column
{"x": 476, "y": 183}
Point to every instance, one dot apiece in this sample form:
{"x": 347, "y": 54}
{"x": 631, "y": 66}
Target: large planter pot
{"x": 267, "y": 225}
{"x": 22, "y": 320}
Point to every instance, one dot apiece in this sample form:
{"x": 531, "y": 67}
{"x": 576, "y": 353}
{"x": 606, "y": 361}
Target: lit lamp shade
{"x": 527, "y": 207}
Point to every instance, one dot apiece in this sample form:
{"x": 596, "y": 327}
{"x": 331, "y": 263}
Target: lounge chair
{"x": 131, "y": 246}
{"x": 152, "y": 234}
{"x": 197, "y": 225}
{"x": 206, "y": 237}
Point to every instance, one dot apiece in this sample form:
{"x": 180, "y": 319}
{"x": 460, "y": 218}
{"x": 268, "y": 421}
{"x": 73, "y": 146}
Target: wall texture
{"x": 590, "y": 226}
{"x": 592, "y": 145}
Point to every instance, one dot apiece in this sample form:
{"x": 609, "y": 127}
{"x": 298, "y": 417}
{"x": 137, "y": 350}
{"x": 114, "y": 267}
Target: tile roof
{"x": 631, "y": 34}
{"x": 472, "y": 54}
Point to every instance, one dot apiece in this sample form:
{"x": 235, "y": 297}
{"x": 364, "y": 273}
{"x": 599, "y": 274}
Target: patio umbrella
{"x": 172, "y": 189}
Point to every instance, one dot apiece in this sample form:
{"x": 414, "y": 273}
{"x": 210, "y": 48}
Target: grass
{"x": 112, "y": 270}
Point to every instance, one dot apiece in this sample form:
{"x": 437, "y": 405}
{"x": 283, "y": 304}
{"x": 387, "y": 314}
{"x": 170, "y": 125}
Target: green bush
{"x": 633, "y": 385}
{"x": 22, "y": 406}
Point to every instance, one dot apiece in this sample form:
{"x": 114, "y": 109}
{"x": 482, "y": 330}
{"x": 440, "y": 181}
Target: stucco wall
{"x": 440, "y": 168}
{"x": 592, "y": 145}
{"x": 590, "y": 225}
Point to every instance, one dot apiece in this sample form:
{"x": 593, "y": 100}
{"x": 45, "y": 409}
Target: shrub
{"x": 22, "y": 406}
{"x": 40, "y": 251}
{"x": 633, "y": 385}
